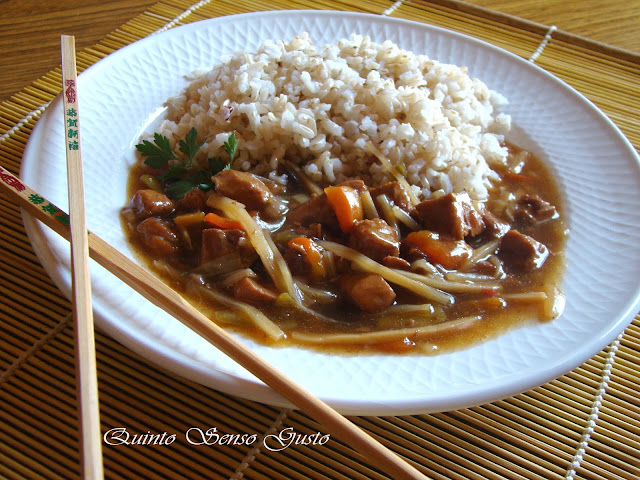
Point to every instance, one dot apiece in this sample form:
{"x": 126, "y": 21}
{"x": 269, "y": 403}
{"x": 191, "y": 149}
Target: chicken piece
{"x": 522, "y": 253}
{"x": 357, "y": 185}
{"x": 368, "y": 291}
{"x": 493, "y": 226}
{"x": 319, "y": 210}
{"x": 297, "y": 262}
{"x": 315, "y": 210}
{"x": 452, "y": 214}
{"x": 249, "y": 290}
{"x": 396, "y": 262}
{"x": 244, "y": 188}
{"x": 217, "y": 242}
{"x": 158, "y": 237}
{"x": 194, "y": 200}
{"x": 150, "y": 203}
{"x": 396, "y": 193}
{"x": 531, "y": 210}
{"x": 485, "y": 267}
{"x": 375, "y": 239}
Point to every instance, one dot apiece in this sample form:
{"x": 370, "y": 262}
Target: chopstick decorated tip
{"x": 91, "y": 438}
{"x": 160, "y": 294}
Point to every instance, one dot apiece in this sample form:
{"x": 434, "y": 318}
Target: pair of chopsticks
{"x": 154, "y": 290}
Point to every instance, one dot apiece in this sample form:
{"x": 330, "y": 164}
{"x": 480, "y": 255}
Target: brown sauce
{"x": 490, "y": 313}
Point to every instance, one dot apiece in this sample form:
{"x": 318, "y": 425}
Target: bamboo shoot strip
{"x": 394, "y": 276}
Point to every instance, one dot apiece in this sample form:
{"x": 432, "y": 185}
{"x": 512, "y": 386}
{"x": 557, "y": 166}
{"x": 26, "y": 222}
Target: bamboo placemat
{"x": 583, "y": 425}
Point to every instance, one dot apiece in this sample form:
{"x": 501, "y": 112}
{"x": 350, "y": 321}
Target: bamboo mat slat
{"x": 583, "y": 425}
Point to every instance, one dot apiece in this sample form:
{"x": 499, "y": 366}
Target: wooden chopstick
{"x": 91, "y": 438}
{"x": 160, "y": 294}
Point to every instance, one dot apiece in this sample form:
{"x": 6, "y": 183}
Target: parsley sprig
{"x": 184, "y": 173}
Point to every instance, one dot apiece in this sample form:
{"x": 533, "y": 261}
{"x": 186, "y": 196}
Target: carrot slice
{"x": 225, "y": 223}
{"x": 347, "y": 205}
{"x": 447, "y": 252}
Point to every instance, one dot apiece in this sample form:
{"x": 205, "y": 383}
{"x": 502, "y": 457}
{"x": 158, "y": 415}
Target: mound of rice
{"x": 318, "y": 107}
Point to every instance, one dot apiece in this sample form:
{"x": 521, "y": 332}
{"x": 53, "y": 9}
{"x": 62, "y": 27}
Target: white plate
{"x": 597, "y": 167}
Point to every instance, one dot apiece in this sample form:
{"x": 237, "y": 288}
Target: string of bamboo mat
{"x": 533, "y": 435}
{"x": 126, "y": 390}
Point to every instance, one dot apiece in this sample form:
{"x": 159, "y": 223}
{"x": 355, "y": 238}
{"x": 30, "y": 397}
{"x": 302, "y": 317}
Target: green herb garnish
{"x": 230, "y": 146}
{"x": 182, "y": 173}
{"x": 157, "y": 155}
{"x": 179, "y": 188}
{"x": 189, "y": 145}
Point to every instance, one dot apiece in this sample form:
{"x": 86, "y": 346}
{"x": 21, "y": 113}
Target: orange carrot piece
{"x": 311, "y": 252}
{"x": 443, "y": 251}
{"x": 518, "y": 177}
{"x": 347, "y": 205}
{"x": 216, "y": 220}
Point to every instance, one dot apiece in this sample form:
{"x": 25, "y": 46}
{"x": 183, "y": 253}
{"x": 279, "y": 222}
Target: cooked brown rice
{"x": 319, "y": 106}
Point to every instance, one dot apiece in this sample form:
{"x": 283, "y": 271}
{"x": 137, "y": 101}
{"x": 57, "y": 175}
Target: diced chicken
{"x": 150, "y": 203}
{"x": 375, "y": 239}
{"x": 297, "y": 262}
{"x": 411, "y": 253}
{"x": 319, "y": 210}
{"x": 486, "y": 268}
{"x": 368, "y": 291}
{"x": 493, "y": 226}
{"x": 522, "y": 253}
{"x": 158, "y": 237}
{"x": 313, "y": 230}
{"x": 396, "y": 193}
{"x": 244, "y": 188}
{"x": 315, "y": 210}
{"x": 217, "y": 242}
{"x": 452, "y": 214}
{"x": 195, "y": 199}
{"x": 274, "y": 187}
{"x": 249, "y": 290}
{"x": 396, "y": 262}
{"x": 357, "y": 185}
{"x": 531, "y": 209}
